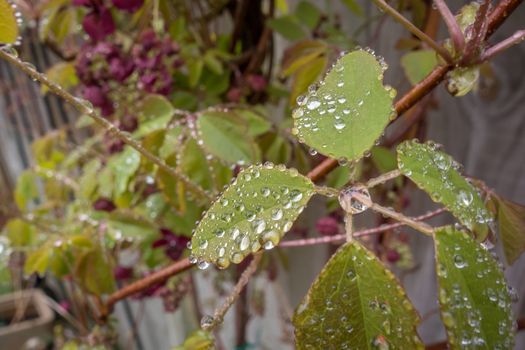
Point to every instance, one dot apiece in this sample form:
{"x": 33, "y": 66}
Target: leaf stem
{"x": 84, "y": 107}
{"x": 492, "y": 51}
{"x": 420, "y": 226}
{"x": 349, "y": 227}
{"x": 218, "y": 315}
{"x": 392, "y": 12}
{"x": 458, "y": 39}
{"x": 383, "y": 178}
{"x": 361, "y": 233}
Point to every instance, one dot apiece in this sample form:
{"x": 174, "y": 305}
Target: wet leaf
{"x": 226, "y": 138}
{"x": 475, "y": 303}
{"x": 436, "y": 173}
{"x": 418, "y": 64}
{"x": 384, "y": 159}
{"x": 306, "y": 75}
{"x": 154, "y": 107}
{"x": 462, "y": 80}
{"x": 354, "y": 6}
{"x": 124, "y": 167}
{"x": 8, "y": 26}
{"x": 348, "y": 111}
{"x": 255, "y": 211}
{"x": 356, "y": 303}
{"x": 256, "y": 123}
{"x": 38, "y": 260}
{"x": 511, "y": 221}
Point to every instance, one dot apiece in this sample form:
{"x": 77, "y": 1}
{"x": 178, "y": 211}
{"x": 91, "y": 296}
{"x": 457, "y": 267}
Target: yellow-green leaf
{"x": 8, "y": 26}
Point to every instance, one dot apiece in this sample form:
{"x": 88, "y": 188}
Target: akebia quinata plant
{"x": 207, "y": 169}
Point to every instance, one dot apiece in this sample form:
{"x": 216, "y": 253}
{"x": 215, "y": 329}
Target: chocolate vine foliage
{"x": 199, "y": 102}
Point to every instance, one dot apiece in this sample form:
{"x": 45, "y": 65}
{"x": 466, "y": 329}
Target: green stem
{"x": 420, "y": 226}
{"x": 383, "y": 178}
{"x": 85, "y": 107}
{"x": 392, "y": 12}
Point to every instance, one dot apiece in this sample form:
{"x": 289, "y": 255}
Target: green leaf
{"x": 349, "y": 110}
{"x": 195, "y": 71}
{"x": 384, "y": 159}
{"x": 436, "y": 173}
{"x": 26, "y": 189}
{"x": 224, "y": 138}
{"x": 194, "y": 164}
{"x": 256, "y": 123}
{"x": 20, "y": 233}
{"x": 88, "y": 181}
{"x": 307, "y": 75}
{"x": 62, "y": 73}
{"x": 124, "y": 167}
{"x": 308, "y": 14}
{"x": 95, "y": 272}
{"x": 155, "y": 107}
{"x": 287, "y": 26}
{"x": 418, "y": 64}
{"x": 356, "y": 303}
{"x": 462, "y": 80}
{"x": 511, "y": 222}
{"x": 354, "y": 7}
{"x": 256, "y": 210}
{"x": 198, "y": 340}
{"x": 37, "y": 261}
{"x": 475, "y": 303}
{"x": 8, "y": 26}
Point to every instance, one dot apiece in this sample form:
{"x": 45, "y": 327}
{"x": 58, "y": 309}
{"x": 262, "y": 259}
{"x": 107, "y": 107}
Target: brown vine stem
{"x": 492, "y": 51}
{"x": 392, "y": 12}
{"x": 84, "y": 107}
{"x": 341, "y": 237}
{"x": 496, "y": 19}
{"x": 219, "y": 313}
{"x": 417, "y": 225}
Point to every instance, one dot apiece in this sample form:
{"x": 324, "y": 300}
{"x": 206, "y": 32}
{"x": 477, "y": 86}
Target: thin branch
{"x": 500, "y": 13}
{"x": 84, "y": 107}
{"x": 144, "y": 283}
{"x": 349, "y": 227}
{"x": 458, "y": 39}
{"x": 476, "y": 33}
{"x": 219, "y": 313}
{"x": 420, "y": 226}
{"x": 392, "y": 12}
{"x": 381, "y": 179}
{"x": 341, "y": 237}
{"x": 492, "y": 51}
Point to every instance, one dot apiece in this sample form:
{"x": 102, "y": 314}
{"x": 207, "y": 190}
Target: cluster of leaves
{"x": 162, "y": 90}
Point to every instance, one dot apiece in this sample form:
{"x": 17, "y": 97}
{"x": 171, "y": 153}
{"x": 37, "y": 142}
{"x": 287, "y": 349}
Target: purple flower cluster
{"x": 101, "y": 66}
{"x": 99, "y": 23}
{"x": 173, "y": 244}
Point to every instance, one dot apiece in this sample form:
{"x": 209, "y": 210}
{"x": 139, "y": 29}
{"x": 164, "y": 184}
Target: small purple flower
{"x": 128, "y": 5}
{"x": 120, "y": 69}
{"x": 129, "y": 123}
{"x": 173, "y": 244}
{"x": 327, "y": 226}
{"x": 86, "y": 3}
{"x": 256, "y": 82}
{"x": 99, "y": 23}
{"x": 104, "y": 204}
{"x": 122, "y": 273}
{"x": 393, "y": 256}
{"x": 234, "y": 94}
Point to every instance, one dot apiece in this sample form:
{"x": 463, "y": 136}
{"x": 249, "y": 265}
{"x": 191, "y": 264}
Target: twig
{"x": 341, "y": 237}
{"x": 349, "y": 227}
{"x": 420, "y": 226}
{"x": 413, "y": 29}
{"x": 492, "y": 51}
{"x": 458, "y": 39}
{"x": 496, "y": 19}
{"x": 144, "y": 283}
{"x": 383, "y": 178}
{"x": 84, "y": 107}
{"x": 219, "y": 313}
{"x": 476, "y": 33}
